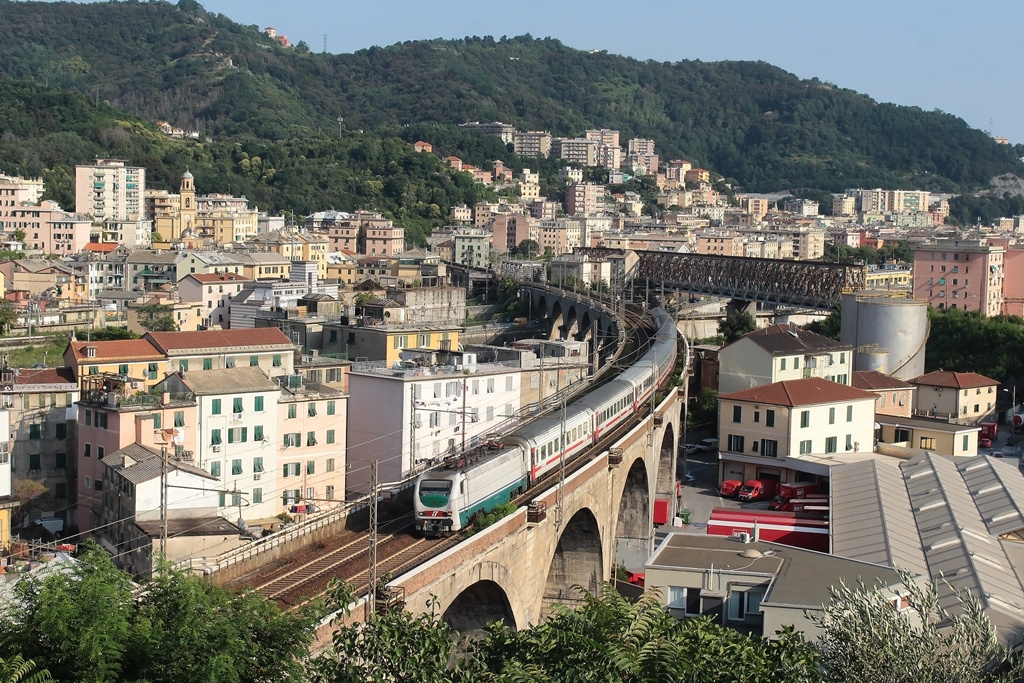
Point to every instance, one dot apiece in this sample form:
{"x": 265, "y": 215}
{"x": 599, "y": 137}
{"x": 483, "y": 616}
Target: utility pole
{"x": 163, "y": 502}
{"x": 371, "y": 598}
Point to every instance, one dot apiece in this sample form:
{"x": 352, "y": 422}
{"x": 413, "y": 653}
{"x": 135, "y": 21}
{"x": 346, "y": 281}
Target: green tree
{"x": 528, "y": 249}
{"x": 106, "y": 334}
{"x": 831, "y": 325}
{"x": 157, "y": 317}
{"x": 863, "y": 638}
{"x": 8, "y": 315}
{"x": 735, "y": 325}
{"x": 90, "y": 623}
{"x": 704, "y": 410}
{"x": 76, "y": 622}
{"x": 19, "y": 235}
{"x": 17, "y": 669}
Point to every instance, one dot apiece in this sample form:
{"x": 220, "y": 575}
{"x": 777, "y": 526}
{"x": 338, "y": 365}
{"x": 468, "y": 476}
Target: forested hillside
{"x": 46, "y": 132}
{"x": 749, "y": 121}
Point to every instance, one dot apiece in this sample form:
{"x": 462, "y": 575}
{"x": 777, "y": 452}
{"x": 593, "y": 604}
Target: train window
{"x": 543, "y": 451}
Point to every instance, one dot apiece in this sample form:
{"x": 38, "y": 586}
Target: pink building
{"x": 964, "y": 274}
{"x": 1013, "y": 284}
{"x": 110, "y": 417}
{"x": 48, "y": 228}
{"x": 582, "y": 199}
{"x": 508, "y": 232}
{"x": 214, "y": 291}
{"x": 311, "y": 452}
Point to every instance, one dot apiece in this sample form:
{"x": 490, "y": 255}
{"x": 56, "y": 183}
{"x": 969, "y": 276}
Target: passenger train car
{"x": 449, "y": 494}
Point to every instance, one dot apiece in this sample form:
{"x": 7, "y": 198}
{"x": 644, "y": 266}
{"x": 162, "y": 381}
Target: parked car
{"x": 710, "y": 444}
{"x": 54, "y": 525}
{"x": 984, "y": 442}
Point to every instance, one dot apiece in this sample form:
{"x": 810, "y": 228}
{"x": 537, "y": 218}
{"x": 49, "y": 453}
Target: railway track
{"x": 398, "y": 551}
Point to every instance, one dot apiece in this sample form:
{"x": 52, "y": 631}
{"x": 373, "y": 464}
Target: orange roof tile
{"x": 218, "y": 339}
{"x": 800, "y": 392}
{"x": 118, "y": 350}
{"x": 954, "y": 380}
{"x": 102, "y": 247}
{"x": 871, "y": 380}
{"x": 59, "y": 375}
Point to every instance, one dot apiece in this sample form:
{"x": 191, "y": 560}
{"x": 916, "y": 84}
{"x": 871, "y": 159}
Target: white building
{"x": 782, "y": 352}
{"x": 431, "y": 412}
{"x": 237, "y": 438}
{"x": 131, "y": 526}
{"x": 110, "y": 190}
{"x": 780, "y": 430}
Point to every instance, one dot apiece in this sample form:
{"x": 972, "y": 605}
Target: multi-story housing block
{"x": 780, "y": 353}
{"x": 432, "y": 413}
{"x": 214, "y": 293}
{"x": 584, "y": 199}
{"x": 237, "y": 438}
{"x": 720, "y": 244}
{"x": 575, "y": 150}
{"x": 147, "y": 269}
{"x": 135, "y": 360}
{"x": 605, "y": 136}
{"x": 384, "y": 343}
{"x": 265, "y": 348}
{"x": 844, "y": 205}
{"x": 135, "y": 515}
{"x": 312, "y": 424}
{"x": 132, "y": 233}
{"x": 472, "y": 247}
{"x": 48, "y": 229}
{"x": 559, "y": 236}
{"x": 260, "y": 265}
{"x": 109, "y": 189}
{"x": 532, "y": 143}
{"x": 38, "y": 404}
{"x": 363, "y": 232}
{"x": 781, "y": 430}
{"x": 964, "y": 274}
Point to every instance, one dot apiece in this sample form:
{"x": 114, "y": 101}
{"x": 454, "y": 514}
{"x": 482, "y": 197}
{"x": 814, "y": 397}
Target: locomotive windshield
{"x": 434, "y": 493}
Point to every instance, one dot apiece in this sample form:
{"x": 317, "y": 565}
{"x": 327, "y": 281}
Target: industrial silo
{"x": 889, "y": 331}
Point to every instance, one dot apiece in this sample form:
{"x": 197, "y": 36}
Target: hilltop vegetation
{"x": 46, "y": 132}
{"x": 749, "y": 121}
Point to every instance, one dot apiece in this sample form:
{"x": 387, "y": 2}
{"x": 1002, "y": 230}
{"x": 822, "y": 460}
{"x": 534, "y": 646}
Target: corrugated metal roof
{"x": 948, "y": 511}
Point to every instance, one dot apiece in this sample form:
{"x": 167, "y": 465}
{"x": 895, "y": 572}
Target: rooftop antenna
{"x": 325, "y": 43}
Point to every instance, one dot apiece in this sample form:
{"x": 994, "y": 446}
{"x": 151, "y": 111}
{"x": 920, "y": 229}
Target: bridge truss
{"x": 808, "y": 284}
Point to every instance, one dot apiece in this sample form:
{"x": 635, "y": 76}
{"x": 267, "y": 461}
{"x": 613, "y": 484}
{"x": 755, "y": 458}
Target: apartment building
{"x": 38, "y": 405}
{"x": 964, "y": 274}
{"x": 213, "y": 291}
{"x": 472, "y": 247}
{"x": 132, "y": 233}
{"x": 432, "y": 413}
{"x": 237, "y": 437}
{"x": 584, "y": 199}
{"x": 605, "y": 136}
{"x": 560, "y": 236}
{"x": 844, "y": 205}
{"x": 640, "y": 146}
{"x": 384, "y": 343}
{"x": 779, "y": 430}
{"x": 362, "y": 232}
{"x": 965, "y": 397}
{"x": 8, "y": 503}
{"x": 720, "y": 244}
{"x": 110, "y": 190}
{"x": 532, "y": 143}
{"x": 47, "y": 228}
{"x": 312, "y": 424}
{"x": 782, "y": 352}
{"x": 575, "y": 150}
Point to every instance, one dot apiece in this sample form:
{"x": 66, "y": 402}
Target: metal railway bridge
{"x": 808, "y": 284}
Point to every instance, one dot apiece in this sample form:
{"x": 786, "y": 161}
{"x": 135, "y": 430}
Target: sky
{"x": 960, "y": 57}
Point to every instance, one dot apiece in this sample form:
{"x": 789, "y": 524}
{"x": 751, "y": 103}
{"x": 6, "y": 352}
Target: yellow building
{"x": 385, "y": 342}
{"x": 136, "y": 359}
